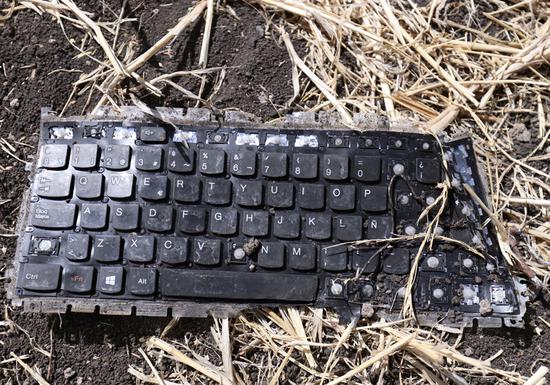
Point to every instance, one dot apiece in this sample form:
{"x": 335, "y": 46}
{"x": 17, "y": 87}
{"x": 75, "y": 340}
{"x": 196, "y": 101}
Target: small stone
{"x": 251, "y": 246}
{"x": 468, "y": 351}
{"x": 79, "y": 380}
{"x": 69, "y": 373}
{"x": 14, "y": 103}
{"x": 485, "y": 308}
{"x": 367, "y": 310}
{"x": 478, "y": 279}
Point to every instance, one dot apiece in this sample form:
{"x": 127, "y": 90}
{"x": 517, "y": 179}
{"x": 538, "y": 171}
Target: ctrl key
{"x": 40, "y": 277}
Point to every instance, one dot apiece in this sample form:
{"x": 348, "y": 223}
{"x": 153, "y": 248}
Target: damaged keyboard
{"x": 129, "y": 216}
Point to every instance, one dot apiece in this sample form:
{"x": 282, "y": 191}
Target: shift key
{"x": 53, "y": 215}
{"x": 40, "y": 277}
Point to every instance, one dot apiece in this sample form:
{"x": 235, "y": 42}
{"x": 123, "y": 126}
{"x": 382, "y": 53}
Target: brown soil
{"x": 99, "y": 349}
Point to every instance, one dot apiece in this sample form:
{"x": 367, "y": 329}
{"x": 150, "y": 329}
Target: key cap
{"x": 379, "y": 227}
{"x": 85, "y": 156}
{"x": 341, "y": 197}
{"x": 191, "y": 220}
{"x": 286, "y": 225}
{"x": 304, "y": 166}
{"x": 78, "y": 279}
{"x": 53, "y": 215}
{"x": 110, "y": 279}
{"x": 397, "y": 261}
{"x": 274, "y": 164}
{"x": 93, "y": 216}
{"x": 318, "y": 226}
{"x": 248, "y": 193}
{"x": 236, "y": 285}
{"x": 77, "y": 247}
{"x": 125, "y": 217}
{"x": 117, "y": 157}
{"x": 181, "y": 159}
{"x": 173, "y": 250}
{"x": 53, "y": 184}
{"x": 348, "y": 228}
{"x": 365, "y": 260}
{"x": 271, "y": 255}
{"x": 89, "y": 186}
{"x": 148, "y": 158}
{"x": 186, "y": 189}
{"x": 139, "y": 249}
{"x": 374, "y": 198}
{"x": 53, "y": 156}
{"x": 255, "y": 223}
{"x": 120, "y": 186}
{"x": 243, "y": 163}
{"x": 223, "y": 221}
{"x": 302, "y": 256}
{"x": 217, "y": 191}
{"x": 335, "y": 167}
{"x": 334, "y": 258}
{"x": 106, "y": 248}
{"x": 280, "y": 194}
{"x": 142, "y": 281}
{"x": 152, "y": 134}
{"x": 428, "y": 170}
{"x": 211, "y": 162}
{"x": 153, "y": 187}
{"x": 311, "y": 196}
{"x": 366, "y": 168}
{"x": 40, "y": 277}
{"x": 158, "y": 218}
{"x": 207, "y": 251}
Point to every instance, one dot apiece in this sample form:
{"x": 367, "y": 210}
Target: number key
{"x": 335, "y": 167}
{"x": 212, "y": 162}
{"x": 304, "y": 166}
{"x": 117, "y": 157}
{"x": 180, "y": 159}
{"x": 366, "y": 168}
{"x": 149, "y": 158}
{"x": 243, "y": 163}
{"x": 274, "y": 164}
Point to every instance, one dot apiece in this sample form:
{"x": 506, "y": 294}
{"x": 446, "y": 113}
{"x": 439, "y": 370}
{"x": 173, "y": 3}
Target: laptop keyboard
{"x": 124, "y": 216}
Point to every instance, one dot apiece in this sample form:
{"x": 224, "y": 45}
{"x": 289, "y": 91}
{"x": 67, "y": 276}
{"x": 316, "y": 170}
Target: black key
{"x": 304, "y": 166}
{"x": 374, "y": 198}
{"x": 217, "y": 191}
{"x": 186, "y": 189}
{"x": 152, "y": 134}
{"x": 109, "y": 280}
{"x": 301, "y": 256}
{"x": 286, "y": 225}
{"x": 85, "y": 156}
{"x": 348, "y": 228}
{"x": 40, "y": 277}
{"x": 366, "y": 260}
{"x": 334, "y": 258}
{"x": 318, "y": 226}
{"x": 311, "y": 196}
{"x": 53, "y": 215}
{"x": 78, "y": 279}
{"x": 223, "y": 221}
{"x": 274, "y": 164}
{"x": 212, "y": 162}
{"x": 120, "y": 186}
{"x": 53, "y": 184}
{"x": 173, "y": 250}
{"x": 341, "y": 197}
{"x": 238, "y": 285}
{"x": 366, "y": 168}
{"x": 248, "y": 193}
{"x": 397, "y": 262}
{"x": 153, "y": 187}
{"x": 106, "y": 248}
{"x": 335, "y": 167}
{"x": 271, "y": 255}
{"x": 89, "y": 186}
{"x": 379, "y": 227}
{"x": 158, "y": 218}
{"x": 207, "y": 251}
{"x": 280, "y": 194}
{"x": 117, "y": 157}
{"x": 181, "y": 159}
{"x": 139, "y": 249}
{"x": 148, "y": 158}
{"x": 93, "y": 216}
{"x": 255, "y": 223}
{"x": 243, "y": 163}
{"x": 125, "y": 217}
{"x": 191, "y": 220}
{"x": 53, "y": 156}
{"x": 77, "y": 247}
{"x": 142, "y": 281}
{"x": 428, "y": 171}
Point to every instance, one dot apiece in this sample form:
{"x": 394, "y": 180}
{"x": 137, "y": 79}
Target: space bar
{"x": 238, "y": 285}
